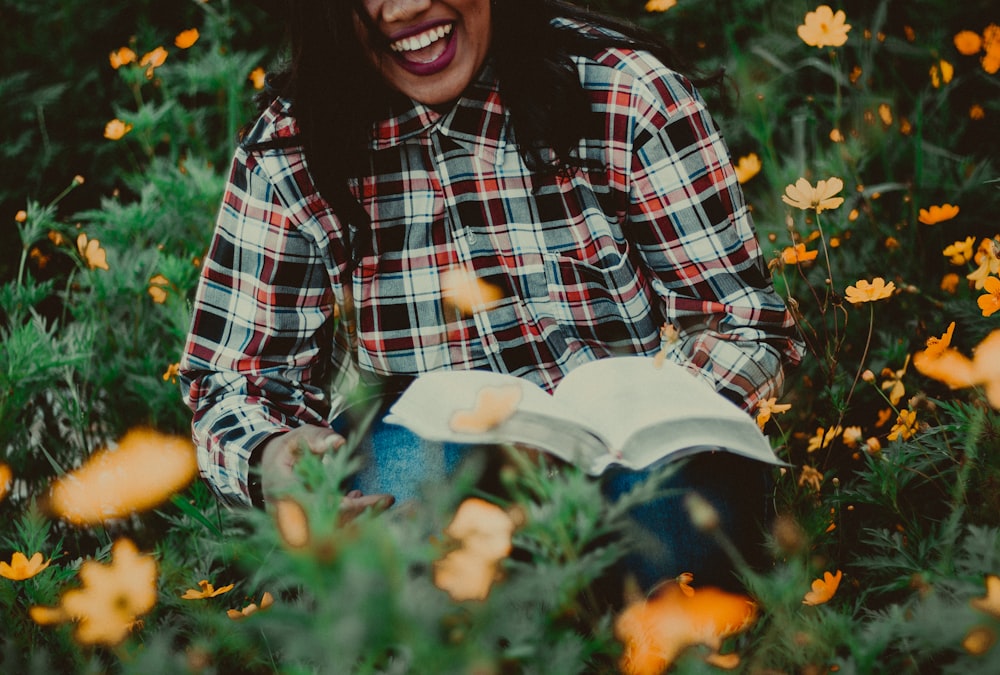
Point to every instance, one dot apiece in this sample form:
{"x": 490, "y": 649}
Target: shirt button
{"x": 471, "y": 237}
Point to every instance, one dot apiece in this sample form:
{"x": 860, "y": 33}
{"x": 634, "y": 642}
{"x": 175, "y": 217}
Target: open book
{"x": 625, "y": 410}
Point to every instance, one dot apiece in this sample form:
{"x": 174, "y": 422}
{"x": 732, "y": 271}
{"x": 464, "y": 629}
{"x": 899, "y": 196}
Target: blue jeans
{"x": 398, "y": 462}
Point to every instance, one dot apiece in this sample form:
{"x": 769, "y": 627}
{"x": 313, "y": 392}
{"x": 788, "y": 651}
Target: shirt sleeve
{"x": 689, "y": 220}
{"x": 263, "y": 306}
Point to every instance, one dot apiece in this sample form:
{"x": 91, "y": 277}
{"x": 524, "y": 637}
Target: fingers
{"x": 355, "y": 503}
{"x": 281, "y": 453}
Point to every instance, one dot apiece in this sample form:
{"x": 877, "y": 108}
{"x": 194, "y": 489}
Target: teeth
{"x": 425, "y": 39}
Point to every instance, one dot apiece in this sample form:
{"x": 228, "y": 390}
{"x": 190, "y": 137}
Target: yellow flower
{"x": 186, "y": 38}
{"x": 659, "y": 5}
{"x": 968, "y": 42}
{"x": 92, "y": 252}
{"x": 991, "y": 603}
{"x": 171, "y": 373}
{"x": 956, "y": 370}
{"x": 21, "y": 568}
{"x": 823, "y": 437}
{"x": 804, "y": 196}
{"x": 949, "y": 283}
{"x": 811, "y": 477}
{"x": 116, "y": 129}
{"x": 768, "y": 407}
{"x": 823, "y": 28}
{"x": 883, "y": 416}
{"x": 747, "y": 167}
{"x": 655, "y": 631}
{"x": 111, "y": 599}
{"x": 941, "y": 73}
{"x": 987, "y": 257}
{"x": 258, "y": 77}
{"x": 990, "y": 303}
{"x": 905, "y": 426}
{"x": 894, "y": 382}
{"x": 121, "y": 57}
{"x": 937, "y": 214}
{"x": 206, "y": 591}
{"x": 154, "y": 59}
{"x": 936, "y": 346}
{"x": 885, "y": 113}
{"x": 823, "y": 589}
{"x": 266, "y": 601}
{"x": 960, "y": 252}
{"x": 793, "y": 255}
{"x": 864, "y": 291}
{"x": 493, "y": 406}
{"x": 852, "y": 436}
{"x": 483, "y": 532}
{"x": 6, "y": 478}
{"x": 144, "y": 470}
{"x": 158, "y": 288}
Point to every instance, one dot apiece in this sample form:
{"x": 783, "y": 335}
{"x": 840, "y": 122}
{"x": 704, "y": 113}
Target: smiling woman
{"x": 552, "y": 154}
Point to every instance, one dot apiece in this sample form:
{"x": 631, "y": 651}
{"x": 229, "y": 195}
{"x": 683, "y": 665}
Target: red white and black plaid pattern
{"x": 589, "y": 265}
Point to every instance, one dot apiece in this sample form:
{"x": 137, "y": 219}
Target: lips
{"x": 425, "y": 50}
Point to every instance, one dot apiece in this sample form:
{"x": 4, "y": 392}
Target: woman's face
{"x": 428, "y": 49}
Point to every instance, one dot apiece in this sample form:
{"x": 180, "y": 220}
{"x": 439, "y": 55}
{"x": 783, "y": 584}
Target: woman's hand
{"x": 282, "y": 452}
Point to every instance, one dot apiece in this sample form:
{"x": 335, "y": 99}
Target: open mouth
{"x": 426, "y": 52}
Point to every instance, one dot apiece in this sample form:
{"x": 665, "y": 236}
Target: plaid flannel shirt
{"x": 590, "y": 265}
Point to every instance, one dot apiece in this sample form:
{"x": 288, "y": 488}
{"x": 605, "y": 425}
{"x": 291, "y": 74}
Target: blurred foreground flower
{"x": 157, "y": 290}
{"x": 106, "y": 607}
{"x": 144, "y": 470}
{"x": 483, "y": 531}
{"x": 659, "y": 5}
{"x": 207, "y": 590}
{"x": 494, "y": 405}
{"x": 863, "y": 291}
{"x": 802, "y": 195}
{"x": 152, "y": 60}
{"x": 991, "y": 602}
{"x": 292, "y": 522}
{"x": 21, "y": 568}
{"x": 121, "y": 57}
{"x": 257, "y": 77}
{"x": 462, "y": 290}
{"x": 266, "y": 601}
{"x": 95, "y": 256}
{"x": 6, "y": 478}
{"x": 933, "y": 215}
{"x": 990, "y": 303}
{"x": 958, "y": 371}
{"x": 655, "y": 631}
{"x": 823, "y": 28}
{"x": 823, "y": 589}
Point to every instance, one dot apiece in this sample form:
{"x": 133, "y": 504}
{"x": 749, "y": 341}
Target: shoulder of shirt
{"x": 625, "y": 67}
{"x": 274, "y": 122}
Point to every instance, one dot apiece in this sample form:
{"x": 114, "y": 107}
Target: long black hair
{"x": 337, "y": 95}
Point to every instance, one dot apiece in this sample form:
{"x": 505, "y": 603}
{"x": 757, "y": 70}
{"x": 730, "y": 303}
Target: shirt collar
{"x": 477, "y": 121}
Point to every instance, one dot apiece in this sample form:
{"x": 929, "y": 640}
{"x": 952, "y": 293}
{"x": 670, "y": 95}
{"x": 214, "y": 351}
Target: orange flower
{"x": 949, "y": 283}
{"x": 863, "y": 291}
{"x": 811, "y": 476}
{"x": 823, "y": 28}
{"x": 885, "y": 113}
{"x": 461, "y": 289}
{"x": 21, "y": 568}
{"x": 171, "y": 373}
{"x": 121, "y": 57}
{"x": 823, "y": 589}
{"x": 852, "y": 436}
{"x": 793, "y": 255}
{"x": 266, "y": 601}
{"x": 979, "y": 640}
{"x": 657, "y": 630}
{"x": 292, "y": 522}
{"x": 768, "y": 407}
{"x": 6, "y": 478}
{"x": 207, "y": 590}
{"x": 991, "y": 603}
{"x": 494, "y": 406}
{"x": 960, "y": 252}
{"x": 905, "y": 426}
{"x": 941, "y": 73}
{"x": 987, "y": 257}
{"x": 186, "y": 38}
{"x": 158, "y": 288}
{"x": 154, "y": 59}
{"x": 933, "y": 215}
{"x": 968, "y": 43}
{"x": 894, "y": 382}
{"x": 936, "y": 346}
{"x": 976, "y": 112}
{"x": 823, "y": 437}
{"x": 803, "y": 195}
{"x": 258, "y": 77}
{"x": 483, "y": 531}
{"x": 990, "y": 303}
{"x": 659, "y": 5}
{"x": 144, "y": 470}
{"x": 111, "y": 598}
{"x": 747, "y": 167}
{"x": 92, "y": 252}
{"x": 956, "y": 370}
{"x": 116, "y": 129}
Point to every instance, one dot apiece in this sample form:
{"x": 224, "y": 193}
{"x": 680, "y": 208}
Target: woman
{"x": 547, "y": 150}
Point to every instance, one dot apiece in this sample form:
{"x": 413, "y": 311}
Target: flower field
{"x": 866, "y": 136}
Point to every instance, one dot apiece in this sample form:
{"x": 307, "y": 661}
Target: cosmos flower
{"x": 823, "y": 589}
{"x": 824, "y": 28}
{"x": 802, "y": 195}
